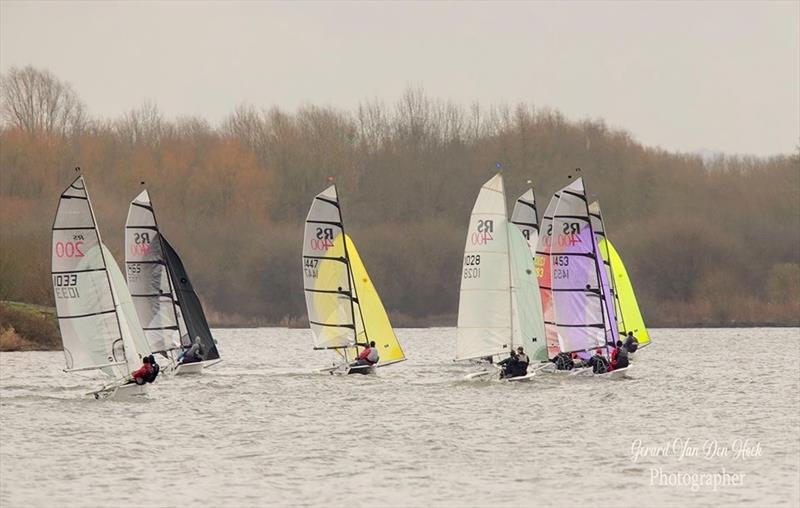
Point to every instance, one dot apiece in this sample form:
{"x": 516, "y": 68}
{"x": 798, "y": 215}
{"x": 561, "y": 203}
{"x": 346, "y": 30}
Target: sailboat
{"x": 582, "y": 304}
{"x": 165, "y": 301}
{"x": 345, "y": 311}
{"x": 499, "y": 307}
{"x": 99, "y": 326}
{"x": 629, "y": 316}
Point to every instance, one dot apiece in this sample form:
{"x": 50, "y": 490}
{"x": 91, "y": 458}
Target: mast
{"x": 607, "y": 260}
{"x": 172, "y": 292}
{"x": 352, "y": 282}
{"x": 105, "y": 267}
{"x": 142, "y": 216}
{"x": 510, "y": 268}
{"x": 597, "y": 267}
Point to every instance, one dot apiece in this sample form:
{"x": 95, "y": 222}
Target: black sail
{"x": 190, "y": 307}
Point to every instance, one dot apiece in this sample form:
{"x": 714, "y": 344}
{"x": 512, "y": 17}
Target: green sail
{"x": 527, "y": 305}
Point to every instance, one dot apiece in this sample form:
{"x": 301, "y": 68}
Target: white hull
{"x": 519, "y": 379}
{"x": 125, "y": 392}
{"x": 494, "y": 375}
{"x": 614, "y": 374}
{"x": 344, "y": 369}
{"x": 194, "y": 367}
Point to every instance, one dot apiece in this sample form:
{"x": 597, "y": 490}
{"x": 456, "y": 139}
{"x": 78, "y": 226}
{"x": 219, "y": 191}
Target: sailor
{"x": 141, "y": 375}
{"x": 563, "y": 361}
{"x": 522, "y": 362}
{"x": 193, "y": 354}
{"x": 369, "y": 356}
{"x": 631, "y": 343}
{"x": 509, "y": 365}
{"x": 619, "y": 356}
{"x": 599, "y": 363}
{"x": 154, "y": 371}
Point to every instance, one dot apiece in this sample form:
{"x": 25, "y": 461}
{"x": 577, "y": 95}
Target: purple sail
{"x": 580, "y": 311}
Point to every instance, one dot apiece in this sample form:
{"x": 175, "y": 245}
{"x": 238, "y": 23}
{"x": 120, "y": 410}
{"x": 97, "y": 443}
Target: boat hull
{"x": 194, "y": 368}
{"x": 128, "y": 391}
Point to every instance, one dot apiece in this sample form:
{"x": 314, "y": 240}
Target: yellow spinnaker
{"x": 629, "y": 317}
{"x": 375, "y": 320}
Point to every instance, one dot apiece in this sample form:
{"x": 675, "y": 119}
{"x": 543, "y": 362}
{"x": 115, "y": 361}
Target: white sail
{"x": 326, "y": 275}
{"x": 484, "y": 308}
{"x": 88, "y": 302}
{"x": 526, "y": 218}
{"x": 149, "y": 279}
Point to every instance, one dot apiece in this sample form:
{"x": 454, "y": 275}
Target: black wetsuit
{"x": 563, "y": 361}
{"x": 599, "y": 364}
{"x": 631, "y": 344}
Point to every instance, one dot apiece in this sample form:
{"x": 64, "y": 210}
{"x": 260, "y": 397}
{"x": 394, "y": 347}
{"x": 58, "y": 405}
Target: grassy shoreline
{"x": 27, "y": 327}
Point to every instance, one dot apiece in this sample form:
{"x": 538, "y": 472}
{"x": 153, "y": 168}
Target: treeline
{"x": 705, "y": 241}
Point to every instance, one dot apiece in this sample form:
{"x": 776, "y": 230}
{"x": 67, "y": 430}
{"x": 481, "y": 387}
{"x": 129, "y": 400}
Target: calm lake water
{"x": 261, "y": 429}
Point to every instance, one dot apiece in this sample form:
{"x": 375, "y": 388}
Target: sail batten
{"x": 91, "y": 302}
{"x": 148, "y": 276}
{"x": 344, "y": 309}
{"x": 580, "y": 310}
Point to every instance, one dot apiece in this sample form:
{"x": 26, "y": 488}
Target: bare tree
{"x": 36, "y": 101}
{"x": 144, "y": 124}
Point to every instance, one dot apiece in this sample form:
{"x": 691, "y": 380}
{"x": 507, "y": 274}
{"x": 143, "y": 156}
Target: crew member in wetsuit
{"x": 631, "y": 343}
{"x": 599, "y": 363}
{"x": 619, "y": 356}
{"x": 522, "y": 362}
{"x": 193, "y": 354}
{"x": 563, "y": 361}
{"x": 143, "y": 373}
{"x": 154, "y": 371}
{"x": 369, "y": 356}
{"x": 509, "y": 365}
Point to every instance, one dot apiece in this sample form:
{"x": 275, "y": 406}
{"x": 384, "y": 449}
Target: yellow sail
{"x": 373, "y": 322}
{"x": 629, "y": 317}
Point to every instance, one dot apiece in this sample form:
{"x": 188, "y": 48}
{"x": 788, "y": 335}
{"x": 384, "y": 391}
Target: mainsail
{"x": 498, "y": 305}
{"x": 148, "y": 277}
{"x": 484, "y": 306}
{"x": 99, "y": 327}
{"x": 578, "y": 299}
{"x": 345, "y": 312}
{"x": 541, "y": 263}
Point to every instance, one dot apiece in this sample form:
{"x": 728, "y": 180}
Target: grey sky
{"x": 683, "y": 76}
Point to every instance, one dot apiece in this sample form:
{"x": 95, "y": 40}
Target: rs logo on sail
{"x": 483, "y": 235}
{"x": 323, "y": 240}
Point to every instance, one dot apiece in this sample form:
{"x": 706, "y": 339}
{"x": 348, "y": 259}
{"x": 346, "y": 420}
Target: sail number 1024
{"x": 472, "y": 269}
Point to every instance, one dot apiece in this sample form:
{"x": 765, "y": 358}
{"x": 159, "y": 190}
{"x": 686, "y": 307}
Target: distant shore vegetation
{"x": 706, "y": 241}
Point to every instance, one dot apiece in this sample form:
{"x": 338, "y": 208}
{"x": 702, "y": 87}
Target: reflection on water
{"x": 261, "y": 429}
